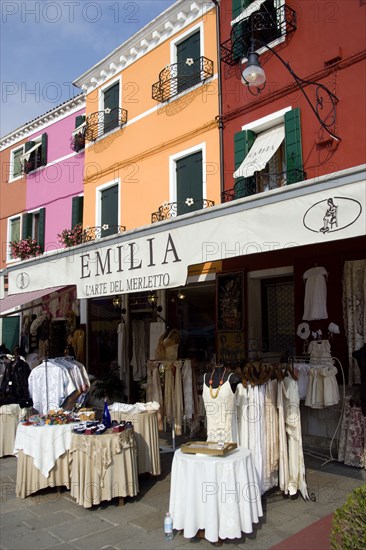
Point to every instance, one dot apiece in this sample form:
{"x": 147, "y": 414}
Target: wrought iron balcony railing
{"x": 101, "y": 122}
{"x": 173, "y": 209}
{"x": 263, "y": 181}
{"x": 99, "y": 231}
{"x": 264, "y": 25}
{"x": 178, "y": 77}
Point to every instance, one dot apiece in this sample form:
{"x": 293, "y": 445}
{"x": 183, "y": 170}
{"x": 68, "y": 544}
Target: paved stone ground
{"x": 50, "y": 519}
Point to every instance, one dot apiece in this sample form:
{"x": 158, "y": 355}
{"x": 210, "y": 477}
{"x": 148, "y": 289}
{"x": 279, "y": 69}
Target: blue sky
{"x": 47, "y": 44}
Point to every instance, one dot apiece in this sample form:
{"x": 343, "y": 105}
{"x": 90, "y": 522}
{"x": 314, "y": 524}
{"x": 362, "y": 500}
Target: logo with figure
{"x": 332, "y": 214}
{"x": 22, "y": 280}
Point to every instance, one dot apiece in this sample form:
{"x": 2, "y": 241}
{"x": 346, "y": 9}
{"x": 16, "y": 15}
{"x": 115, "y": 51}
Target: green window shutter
{"x": 17, "y": 165}
{"x": 79, "y": 120}
{"x": 27, "y": 223}
{"x": 189, "y": 75}
{"x": 293, "y": 146}
{"x": 240, "y": 48}
{"x": 111, "y": 101}
{"x": 238, "y": 6}
{"x": 41, "y": 228}
{"x": 189, "y": 183}
{"x": 77, "y": 211}
{"x": 243, "y": 142}
{"x": 109, "y": 210}
{"x": 44, "y": 150}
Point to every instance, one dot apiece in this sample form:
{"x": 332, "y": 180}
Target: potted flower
{"x": 71, "y": 237}
{"x": 26, "y": 248}
{"x": 78, "y": 142}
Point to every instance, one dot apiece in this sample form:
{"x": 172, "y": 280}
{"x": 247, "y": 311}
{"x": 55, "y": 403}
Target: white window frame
{"x": 182, "y": 37}
{"x": 98, "y": 200}
{"x": 173, "y": 51}
{"x": 11, "y": 168}
{"x": 101, "y": 93}
{"x": 173, "y": 169}
{"x": 37, "y": 139}
{"x": 10, "y": 238}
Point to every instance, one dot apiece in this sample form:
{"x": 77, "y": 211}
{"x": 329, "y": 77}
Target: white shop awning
{"x": 25, "y": 156}
{"x": 262, "y": 150}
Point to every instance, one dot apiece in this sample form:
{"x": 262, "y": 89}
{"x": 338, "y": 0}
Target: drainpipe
{"x": 219, "y": 117}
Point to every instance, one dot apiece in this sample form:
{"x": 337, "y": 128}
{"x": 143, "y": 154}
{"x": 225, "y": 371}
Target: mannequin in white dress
{"x": 219, "y": 400}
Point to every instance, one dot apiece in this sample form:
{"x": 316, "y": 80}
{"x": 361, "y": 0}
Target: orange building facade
{"x": 151, "y": 128}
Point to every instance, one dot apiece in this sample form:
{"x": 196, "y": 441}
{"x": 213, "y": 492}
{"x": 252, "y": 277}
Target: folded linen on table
{"x": 45, "y": 444}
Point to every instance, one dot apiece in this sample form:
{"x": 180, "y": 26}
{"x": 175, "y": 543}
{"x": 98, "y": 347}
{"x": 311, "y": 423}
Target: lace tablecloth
{"x": 103, "y": 467}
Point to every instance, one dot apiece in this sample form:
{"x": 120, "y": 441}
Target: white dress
{"x": 291, "y": 465}
{"x": 315, "y": 301}
{"x": 251, "y": 426}
{"x": 220, "y": 413}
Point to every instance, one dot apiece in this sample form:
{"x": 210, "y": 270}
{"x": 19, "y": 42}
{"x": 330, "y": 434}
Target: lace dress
{"x": 220, "y": 413}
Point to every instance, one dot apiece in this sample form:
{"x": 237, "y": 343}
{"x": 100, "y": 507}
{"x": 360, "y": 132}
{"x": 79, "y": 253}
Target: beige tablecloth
{"x": 10, "y": 416}
{"x": 30, "y": 479}
{"x": 145, "y": 426}
{"x": 103, "y": 467}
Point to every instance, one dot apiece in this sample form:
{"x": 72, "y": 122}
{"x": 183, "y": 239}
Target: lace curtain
{"x": 354, "y": 313}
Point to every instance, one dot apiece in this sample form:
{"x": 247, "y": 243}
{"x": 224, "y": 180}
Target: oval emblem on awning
{"x": 332, "y": 214}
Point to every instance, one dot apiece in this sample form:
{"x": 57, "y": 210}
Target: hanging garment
{"x": 251, "y": 425}
{"x": 270, "y": 471}
{"x": 220, "y": 412}
{"x": 319, "y": 351}
{"x": 138, "y": 361}
{"x": 178, "y": 398}
{"x": 295, "y": 482}
{"x": 14, "y": 384}
{"x": 154, "y": 391}
{"x": 315, "y": 301}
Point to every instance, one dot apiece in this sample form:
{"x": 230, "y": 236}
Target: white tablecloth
{"x": 218, "y": 494}
{"x": 45, "y": 444}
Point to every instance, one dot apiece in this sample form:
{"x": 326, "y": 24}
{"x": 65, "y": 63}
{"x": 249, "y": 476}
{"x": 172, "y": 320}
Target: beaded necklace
{"x": 220, "y": 384}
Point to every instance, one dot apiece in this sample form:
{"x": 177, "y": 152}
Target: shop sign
{"x": 159, "y": 257}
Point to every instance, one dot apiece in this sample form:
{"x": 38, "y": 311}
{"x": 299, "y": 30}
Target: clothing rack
{"x": 320, "y": 456}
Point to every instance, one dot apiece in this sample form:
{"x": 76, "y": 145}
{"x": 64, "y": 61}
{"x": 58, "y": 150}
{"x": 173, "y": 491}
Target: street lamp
{"x": 254, "y": 77}
{"x": 152, "y": 299}
{"x": 117, "y": 302}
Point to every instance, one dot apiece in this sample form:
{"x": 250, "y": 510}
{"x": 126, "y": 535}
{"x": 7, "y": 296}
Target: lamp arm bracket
{"x": 326, "y": 122}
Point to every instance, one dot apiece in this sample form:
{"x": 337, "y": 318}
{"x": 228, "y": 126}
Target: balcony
{"x": 170, "y": 210}
{"x": 101, "y": 122}
{"x": 176, "y": 78}
{"x": 99, "y": 231}
{"x": 260, "y": 183}
{"x": 263, "y": 25}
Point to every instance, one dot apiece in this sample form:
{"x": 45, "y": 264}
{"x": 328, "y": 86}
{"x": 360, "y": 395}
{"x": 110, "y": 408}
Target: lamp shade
{"x": 253, "y": 74}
